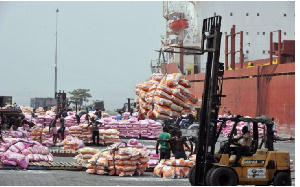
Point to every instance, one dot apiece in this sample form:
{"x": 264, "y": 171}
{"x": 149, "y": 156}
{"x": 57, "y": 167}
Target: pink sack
{"x": 24, "y": 163}
{"x": 20, "y": 146}
{"x": 26, "y": 152}
{"x": 10, "y": 163}
{"x": 30, "y": 157}
{"x": 14, "y": 149}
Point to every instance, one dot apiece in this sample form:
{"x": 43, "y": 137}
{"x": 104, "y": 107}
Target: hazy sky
{"x": 102, "y": 46}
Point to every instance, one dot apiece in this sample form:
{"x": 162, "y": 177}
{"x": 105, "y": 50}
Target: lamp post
{"x": 55, "y": 83}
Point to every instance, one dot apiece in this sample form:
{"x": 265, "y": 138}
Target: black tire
{"x": 282, "y": 179}
{"x": 223, "y": 176}
{"x": 207, "y": 177}
{"x": 192, "y": 175}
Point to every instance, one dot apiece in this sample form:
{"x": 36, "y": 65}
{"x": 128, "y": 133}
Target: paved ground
{"x": 81, "y": 178}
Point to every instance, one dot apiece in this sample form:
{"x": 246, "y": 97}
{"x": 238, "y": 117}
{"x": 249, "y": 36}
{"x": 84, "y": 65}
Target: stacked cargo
{"x": 84, "y": 155}
{"x": 173, "y": 168}
{"x": 127, "y": 161}
{"x": 86, "y": 133}
{"x": 72, "y": 143}
{"x": 16, "y": 151}
{"x": 109, "y": 136}
{"x": 164, "y": 97}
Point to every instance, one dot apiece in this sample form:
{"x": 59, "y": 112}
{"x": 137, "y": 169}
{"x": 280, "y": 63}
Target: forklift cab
{"x": 258, "y": 167}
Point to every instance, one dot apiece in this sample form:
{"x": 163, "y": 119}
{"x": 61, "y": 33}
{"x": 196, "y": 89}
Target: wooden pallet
{"x": 64, "y": 153}
{"x": 71, "y": 166}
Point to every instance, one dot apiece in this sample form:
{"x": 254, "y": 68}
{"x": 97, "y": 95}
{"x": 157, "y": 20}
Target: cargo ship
{"x": 257, "y": 48}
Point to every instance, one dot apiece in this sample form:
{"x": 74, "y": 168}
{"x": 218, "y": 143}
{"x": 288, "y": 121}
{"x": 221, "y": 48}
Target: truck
{"x": 42, "y": 102}
{"x": 5, "y": 100}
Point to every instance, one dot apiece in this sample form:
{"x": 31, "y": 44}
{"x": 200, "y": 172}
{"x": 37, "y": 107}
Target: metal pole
{"x": 271, "y": 48}
{"x": 226, "y": 52}
{"x": 232, "y": 51}
{"x": 241, "y": 50}
{"x": 279, "y": 46}
{"x": 55, "y": 84}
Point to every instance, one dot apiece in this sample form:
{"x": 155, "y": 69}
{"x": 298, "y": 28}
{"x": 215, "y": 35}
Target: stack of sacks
{"x": 168, "y": 95}
{"x": 19, "y": 133}
{"x": 145, "y": 132}
{"x": 173, "y": 168}
{"x": 133, "y": 128}
{"x": 123, "y": 128}
{"x": 154, "y": 158}
{"x": 40, "y": 111}
{"x": 70, "y": 121}
{"x": 75, "y": 131}
{"x": 19, "y": 152}
{"x": 108, "y": 136}
{"x": 84, "y": 155}
{"x": 87, "y": 133}
{"x": 48, "y": 119}
{"x": 126, "y": 161}
{"x": 126, "y": 115}
{"x": 26, "y": 110}
{"x": 229, "y": 124}
{"x": 155, "y": 129}
{"x": 37, "y": 133}
{"x": 292, "y": 168}
{"x": 73, "y": 143}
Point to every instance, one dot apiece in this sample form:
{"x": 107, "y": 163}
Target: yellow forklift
{"x": 256, "y": 167}
{"x": 260, "y": 166}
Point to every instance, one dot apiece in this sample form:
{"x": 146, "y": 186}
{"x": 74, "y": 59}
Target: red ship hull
{"x": 265, "y": 90}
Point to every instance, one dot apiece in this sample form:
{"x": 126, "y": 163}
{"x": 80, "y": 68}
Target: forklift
{"x": 262, "y": 166}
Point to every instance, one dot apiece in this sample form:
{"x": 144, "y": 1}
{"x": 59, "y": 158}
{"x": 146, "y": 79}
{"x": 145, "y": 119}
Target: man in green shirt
{"x": 164, "y": 141}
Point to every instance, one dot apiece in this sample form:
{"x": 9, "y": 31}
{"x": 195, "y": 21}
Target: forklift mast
{"x": 211, "y": 98}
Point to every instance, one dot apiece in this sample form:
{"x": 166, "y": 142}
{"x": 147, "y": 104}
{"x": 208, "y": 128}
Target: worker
{"x": 64, "y": 113}
{"x": 52, "y": 125}
{"x": 164, "y": 141}
{"x": 95, "y": 126}
{"x": 98, "y": 114}
{"x": 245, "y": 142}
{"x": 77, "y": 119}
{"x": 61, "y": 130}
{"x": 179, "y": 142}
{"x": 194, "y": 140}
{"x": 274, "y": 130}
{"x": 87, "y": 117}
{"x": 119, "y": 116}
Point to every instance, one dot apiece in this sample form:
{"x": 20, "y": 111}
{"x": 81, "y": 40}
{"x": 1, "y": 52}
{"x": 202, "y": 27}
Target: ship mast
{"x": 55, "y": 83}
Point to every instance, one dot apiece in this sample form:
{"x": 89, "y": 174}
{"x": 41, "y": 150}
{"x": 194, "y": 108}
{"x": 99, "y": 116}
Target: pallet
{"x": 64, "y": 153}
{"x": 71, "y": 166}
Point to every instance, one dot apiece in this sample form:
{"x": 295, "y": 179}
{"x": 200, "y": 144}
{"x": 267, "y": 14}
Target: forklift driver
{"x": 245, "y": 142}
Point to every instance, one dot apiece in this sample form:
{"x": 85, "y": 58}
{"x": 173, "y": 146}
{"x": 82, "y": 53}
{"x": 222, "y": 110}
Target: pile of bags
{"x": 173, "y": 168}
{"x": 108, "y": 136}
{"x": 154, "y": 158}
{"x": 127, "y": 161}
{"x": 37, "y": 133}
{"x": 75, "y": 131}
{"x": 15, "y": 151}
{"x": 72, "y": 143}
{"x": 229, "y": 124}
{"x": 132, "y": 127}
{"x": 163, "y": 97}
{"x": 70, "y": 120}
{"x": 19, "y": 133}
{"x": 86, "y": 134}
{"x": 84, "y": 155}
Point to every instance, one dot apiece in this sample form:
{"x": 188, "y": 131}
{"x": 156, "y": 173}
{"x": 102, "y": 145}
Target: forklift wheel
{"x": 192, "y": 176}
{"x": 282, "y": 179}
{"x": 223, "y": 176}
{"x": 208, "y": 174}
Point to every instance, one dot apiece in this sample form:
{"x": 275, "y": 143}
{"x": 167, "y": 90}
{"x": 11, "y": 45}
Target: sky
{"x": 102, "y": 46}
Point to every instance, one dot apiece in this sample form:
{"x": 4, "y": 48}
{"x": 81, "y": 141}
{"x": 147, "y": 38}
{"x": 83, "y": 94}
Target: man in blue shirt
{"x": 119, "y": 116}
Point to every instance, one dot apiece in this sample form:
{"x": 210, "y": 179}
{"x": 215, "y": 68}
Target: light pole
{"x": 55, "y": 83}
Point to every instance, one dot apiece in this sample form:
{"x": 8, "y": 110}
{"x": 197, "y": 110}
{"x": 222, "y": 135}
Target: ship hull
{"x": 265, "y": 90}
